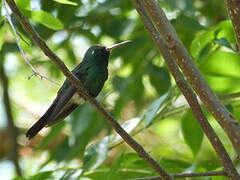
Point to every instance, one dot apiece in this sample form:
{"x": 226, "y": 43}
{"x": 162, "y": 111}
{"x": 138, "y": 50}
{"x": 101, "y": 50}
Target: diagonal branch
{"x": 233, "y": 7}
{"x": 187, "y": 92}
{"x": 80, "y": 89}
{"x": 12, "y": 129}
{"x": 192, "y": 74}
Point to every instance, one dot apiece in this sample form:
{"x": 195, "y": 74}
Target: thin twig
{"x": 186, "y": 175}
{"x": 230, "y": 97}
{"x": 181, "y": 56}
{"x": 80, "y": 89}
{"x": 12, "y": 129}
{"x": 233, "y": 7}
{"x": 24, "y": 56}
{"x": 187, "y": 92}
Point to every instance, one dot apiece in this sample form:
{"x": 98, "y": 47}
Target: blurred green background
{"x": 140, "y": 93}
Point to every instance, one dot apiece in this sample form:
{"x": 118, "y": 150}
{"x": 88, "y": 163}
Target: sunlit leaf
{"x": 23, "y": 4}
{"x": 66, "y": 2}
{"x": 45, "y": 19}
{"x": 2, "y": 31}
{"x": 225, "y": 30}
{"x": 201, "y": 40}
{"x": 221, "y": 63}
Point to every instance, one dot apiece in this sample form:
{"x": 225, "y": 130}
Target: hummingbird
{"x": 92, "y": 72}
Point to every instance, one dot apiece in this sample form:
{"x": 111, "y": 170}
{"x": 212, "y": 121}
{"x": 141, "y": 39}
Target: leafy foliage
{"x": 140, "y": 92}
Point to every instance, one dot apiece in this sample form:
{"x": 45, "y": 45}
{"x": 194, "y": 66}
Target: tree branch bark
{"x": 59, "y": 63}
{"x": 193, "y": 75}
{"x": 187, "y": 92}
{"x": 12, "y": 130}
{"x": 233, "y": 7}
{"x": 186, "y": 175}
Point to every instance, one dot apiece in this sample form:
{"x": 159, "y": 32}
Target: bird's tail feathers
{"x": 41, "y": 123}
{"x": 36, "y": 128}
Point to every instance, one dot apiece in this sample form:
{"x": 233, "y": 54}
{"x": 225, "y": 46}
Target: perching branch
{"x": 181, "y": 56}
{"x": 12, "y": 130}
{"x": 187, "y": 92}
{"x": 185, "y": 175}
{"x": 80, "y": 89}
{"x": 233, "y": 7}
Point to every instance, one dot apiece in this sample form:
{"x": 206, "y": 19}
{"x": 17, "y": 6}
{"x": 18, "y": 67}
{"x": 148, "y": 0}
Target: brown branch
{"x": 187, "y": 92}
{"x": 233, "y": 7}
{"x": 59, "y": 63}
{"x": 12, "y": 130}
{"x": 193, "y": 75}
{"x": 186, "y": 175}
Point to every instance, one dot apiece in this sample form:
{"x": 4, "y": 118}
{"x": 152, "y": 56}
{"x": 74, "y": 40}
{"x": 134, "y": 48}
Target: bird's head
{"x": 99, "y": 53}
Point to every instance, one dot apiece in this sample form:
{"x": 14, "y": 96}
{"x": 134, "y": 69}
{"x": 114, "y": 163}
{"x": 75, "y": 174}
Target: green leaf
{"x": 159, "y": 78}
{"x": 223, "y": 84}
{"x": 153, "y": 109}
{"x": 133, "y": 161}
{"x": 2, "y": 37}
{"x": 23, "y": 4}
{"x": 192, "y": 132}
{"x": 42, "y": 175}
{"x": 95, "y": 154}
{"x": 45, "y": 19}
{"x": 225, "y": 30}
{"x": 113, "y": 172}
{"x": 206, "y": 51}
{"x": 221, "y": 63}
{"x": 66, "y": 2}
{"x": 174, "y": 165}
{"x": 202, "y": 39}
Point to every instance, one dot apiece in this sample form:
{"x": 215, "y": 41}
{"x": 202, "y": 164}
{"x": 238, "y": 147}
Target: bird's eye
{"x": 92, "y": 52}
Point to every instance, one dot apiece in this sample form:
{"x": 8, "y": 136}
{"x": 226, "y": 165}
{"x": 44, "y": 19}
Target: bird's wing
{"x": 66, "y": 92}
{"x": 60, "y": 101}
{"x": 64, "y": 113}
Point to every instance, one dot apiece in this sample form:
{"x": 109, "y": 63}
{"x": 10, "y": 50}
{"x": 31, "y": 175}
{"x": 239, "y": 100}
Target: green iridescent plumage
{"x": 92, "y": 72}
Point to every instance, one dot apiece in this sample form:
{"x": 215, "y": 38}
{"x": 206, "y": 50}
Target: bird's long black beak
{"x": 117, "y": 45}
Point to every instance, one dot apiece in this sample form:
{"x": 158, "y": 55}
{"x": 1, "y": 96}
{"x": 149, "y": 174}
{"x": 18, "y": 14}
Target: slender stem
{"x": 80, "y": 89}
{"x": 187, "y": 92}
{"x": 230, "y": 97}
{"x": 233, "y": 7}
{"x": 12, "y": 129}
{"x": 24, "y": 56}
{"x": 180, "y": 55}
{"x": 186, "y": 175}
